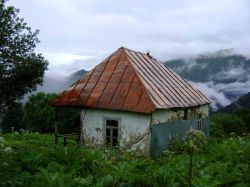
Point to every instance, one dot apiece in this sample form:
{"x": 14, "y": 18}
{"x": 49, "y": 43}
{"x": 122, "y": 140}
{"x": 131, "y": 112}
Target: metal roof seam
{"x": 109, "y": 77}
{"x": 192, "y": 89}
{"x": 152, "y": 100}
{"x": 164, "y": 83}
{"x": 76, "y": 85}
{"x": 140, "y": 78}
{"x": 117, "y": 84}
{"x": 85, "y": 85}
{"x": 128, "y": 91}
{"x": 144, "y": 75}
{"x": 155, "y": 77}
{"x": 176, "y": 83}
{"x": 188, "y": 86}
{"x": 179, "y": 81}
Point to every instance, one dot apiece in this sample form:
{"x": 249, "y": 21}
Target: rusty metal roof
{"x": 131, "y": 81}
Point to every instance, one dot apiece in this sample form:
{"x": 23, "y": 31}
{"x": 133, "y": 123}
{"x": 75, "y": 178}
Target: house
{"x": 133, "y": 101}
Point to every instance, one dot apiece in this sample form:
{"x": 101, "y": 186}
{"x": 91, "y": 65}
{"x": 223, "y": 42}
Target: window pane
{"x": 112, "y": 132}
{"x": 115, "y": 142}
{"x": 115, "y": 133}
{"x": 112, "y": 123}
{"x": 107, "y": 132}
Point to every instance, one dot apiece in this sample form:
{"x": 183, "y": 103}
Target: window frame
{"x": 118, "y": 119}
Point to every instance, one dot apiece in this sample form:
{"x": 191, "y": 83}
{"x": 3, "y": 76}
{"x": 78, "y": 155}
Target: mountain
{"x": 77, "y": 75}
{"x": 222, "y": 76}
{"x": 242, "y": 103}
{"x": 54, "y": 84}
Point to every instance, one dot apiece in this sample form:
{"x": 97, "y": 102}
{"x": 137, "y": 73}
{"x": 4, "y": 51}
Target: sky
{"x": 78, "y": 34}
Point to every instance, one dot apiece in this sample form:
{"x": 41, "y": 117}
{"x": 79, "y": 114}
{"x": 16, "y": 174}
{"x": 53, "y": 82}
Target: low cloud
{"x": 64, "y": 64}
{"x": 217, "y": 97}
{"x": 222, "y": 94}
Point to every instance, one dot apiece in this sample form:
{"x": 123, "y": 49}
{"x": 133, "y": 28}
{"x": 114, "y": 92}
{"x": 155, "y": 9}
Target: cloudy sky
{"x": 77, "y": 34}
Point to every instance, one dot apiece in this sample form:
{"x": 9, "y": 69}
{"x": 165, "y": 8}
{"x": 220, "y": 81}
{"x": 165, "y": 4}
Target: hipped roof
{"x": 131, "y": 81}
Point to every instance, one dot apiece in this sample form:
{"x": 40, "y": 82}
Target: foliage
{"x": 244, "y": 114}
{"x": 36, "y": 161}
{"x": 21, "y": 69}
{"x": 13, "y": 117}
{"x": 224, "y": 124}
{"x": 68, "y": 119}
{"x": 195, "y": 140}
{"x": 38, "y": 114}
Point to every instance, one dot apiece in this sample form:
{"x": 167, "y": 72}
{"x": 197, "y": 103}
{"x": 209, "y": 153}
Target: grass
{"x": 34, "y": 160}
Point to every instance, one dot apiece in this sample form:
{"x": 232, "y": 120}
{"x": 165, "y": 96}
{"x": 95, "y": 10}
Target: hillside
{"x": 242, "y": 103}
{"x": 222, "y": 76}
{"x": 54, "y": 84}
{"x": 75, "y": 76}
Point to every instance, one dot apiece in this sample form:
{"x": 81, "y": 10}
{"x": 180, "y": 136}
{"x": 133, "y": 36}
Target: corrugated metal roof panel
{"x": 131, "y": 81}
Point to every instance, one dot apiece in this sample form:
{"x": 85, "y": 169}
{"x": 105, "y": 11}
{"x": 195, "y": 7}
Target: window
{"x": 112, "y": 132}
{"x": 200, "y": 122}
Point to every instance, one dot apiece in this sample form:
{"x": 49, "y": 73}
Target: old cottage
{"x": 133, "y": 101}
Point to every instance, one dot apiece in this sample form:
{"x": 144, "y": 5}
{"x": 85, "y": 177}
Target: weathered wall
{"x": 133, "y": 129}
{"x": 162, "y": 134}
{"x": 163, "y": 116}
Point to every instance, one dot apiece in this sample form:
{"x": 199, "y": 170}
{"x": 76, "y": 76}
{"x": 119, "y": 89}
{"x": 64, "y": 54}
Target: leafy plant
{"x": 36, "y": 161}
{"x": 195, "y": 141}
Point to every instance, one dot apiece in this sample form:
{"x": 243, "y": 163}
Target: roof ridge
{"x": 125, "y": 48}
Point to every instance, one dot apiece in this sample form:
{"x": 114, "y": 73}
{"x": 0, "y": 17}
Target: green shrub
{"x": 224, "y": 124}
{"x": 13, "y": 117}
{"x": 36, "y": 161}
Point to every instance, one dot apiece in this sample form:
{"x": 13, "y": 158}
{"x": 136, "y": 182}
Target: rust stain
{"x": 131, "y": 81}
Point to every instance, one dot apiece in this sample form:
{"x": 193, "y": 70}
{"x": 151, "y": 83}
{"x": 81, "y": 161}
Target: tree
{"x": 13, "y": 118}
{"x": 39, "y": 115}
{"x": 21, "y": 69}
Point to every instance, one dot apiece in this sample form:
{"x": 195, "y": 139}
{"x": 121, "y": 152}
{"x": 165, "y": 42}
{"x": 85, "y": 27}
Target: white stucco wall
{"x": 134, "y": 131}
{"x": 134, "y": 128}
{"x": 163, "y": 116}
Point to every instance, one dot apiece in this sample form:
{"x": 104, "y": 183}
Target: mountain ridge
{"x": 223, "y": 77}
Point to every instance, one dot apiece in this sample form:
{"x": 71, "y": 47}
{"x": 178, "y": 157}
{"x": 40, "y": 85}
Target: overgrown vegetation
{"x": 38, "y": 116}
{"x": 237, "y": 121}
{"x": 31, "y": 159}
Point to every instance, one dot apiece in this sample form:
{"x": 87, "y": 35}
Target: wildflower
{"x": 22, "y": 130}
{"x": 8, "y": 150}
